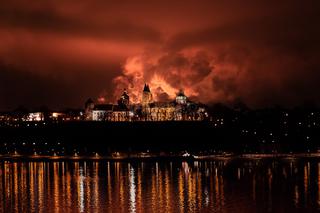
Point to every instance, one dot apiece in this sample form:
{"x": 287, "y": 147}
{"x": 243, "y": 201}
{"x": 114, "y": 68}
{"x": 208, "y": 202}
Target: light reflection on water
{"x": 267, "y": 185}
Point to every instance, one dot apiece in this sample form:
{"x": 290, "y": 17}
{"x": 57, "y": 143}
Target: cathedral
{"x": 180, "y": 109}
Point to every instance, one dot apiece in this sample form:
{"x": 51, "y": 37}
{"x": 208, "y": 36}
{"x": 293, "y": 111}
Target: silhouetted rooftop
{"x": 146, "y": 88}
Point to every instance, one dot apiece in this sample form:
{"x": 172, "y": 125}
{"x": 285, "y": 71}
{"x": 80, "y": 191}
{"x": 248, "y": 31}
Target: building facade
{"x": 180, "y": 109}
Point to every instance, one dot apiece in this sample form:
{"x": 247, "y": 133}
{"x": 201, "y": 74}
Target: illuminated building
{"x": 58, "y": 116}
{"x": 89, "y": 105}
{"x": 108, "y": 112}
{"x": 179, "y": 109}
{"x": 162, "y": 111}
{"x": 181, "y": 98}
{"x": 120, "y": 114}
{"x": 35, "y": 116}
{"x": 101, "y": 112}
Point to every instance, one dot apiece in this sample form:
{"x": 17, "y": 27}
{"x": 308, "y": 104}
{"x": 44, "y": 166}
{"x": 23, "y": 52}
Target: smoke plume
{"x": 166, "y": 74}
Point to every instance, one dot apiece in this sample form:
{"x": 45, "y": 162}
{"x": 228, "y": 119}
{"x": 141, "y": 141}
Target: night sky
{"x": 60, "y": 53}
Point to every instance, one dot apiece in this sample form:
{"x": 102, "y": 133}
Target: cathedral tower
{"x": 146, "y": 95}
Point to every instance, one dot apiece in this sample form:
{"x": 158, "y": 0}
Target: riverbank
{"x": 127, "y": 157}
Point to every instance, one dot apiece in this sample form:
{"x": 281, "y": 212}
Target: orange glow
{"x": 164, "y": 82}
{"x": 159, "y": 82}
{"x": 101, "y": 100}
{"x": 57, "y": 46}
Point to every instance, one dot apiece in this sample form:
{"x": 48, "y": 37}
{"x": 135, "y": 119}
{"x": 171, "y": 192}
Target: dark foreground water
{"x": 230, "y": 185}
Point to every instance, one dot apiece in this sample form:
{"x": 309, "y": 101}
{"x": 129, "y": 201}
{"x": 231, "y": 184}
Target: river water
{"x": 226, "y": 185}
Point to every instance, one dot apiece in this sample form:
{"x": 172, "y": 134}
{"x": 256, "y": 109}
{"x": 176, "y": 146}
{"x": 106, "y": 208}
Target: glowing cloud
{"x": 166, "y": 74}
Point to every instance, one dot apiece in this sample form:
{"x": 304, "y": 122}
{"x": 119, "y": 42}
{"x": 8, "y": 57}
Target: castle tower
{"x": 124, "y": 99}
{"x": 181, "y": 98}
{"x": 146, "y": 95}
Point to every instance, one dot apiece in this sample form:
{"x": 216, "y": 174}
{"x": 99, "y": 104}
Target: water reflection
{"x": 132, "y": 190}
{"x": 217, "y": 186}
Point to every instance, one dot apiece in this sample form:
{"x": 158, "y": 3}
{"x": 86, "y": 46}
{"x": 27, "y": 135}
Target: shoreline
{"x": 159, "y": 158}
